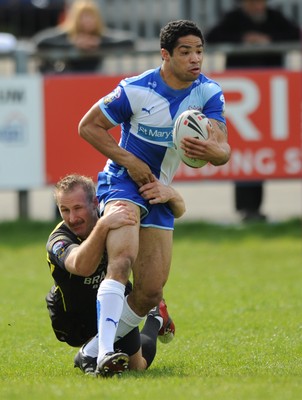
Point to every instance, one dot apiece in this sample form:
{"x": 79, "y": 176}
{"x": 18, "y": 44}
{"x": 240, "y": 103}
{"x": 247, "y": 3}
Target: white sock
{"x": 91, "y": 348}
{"x": 128, "y": 321}
{"x": 110, "y": 299}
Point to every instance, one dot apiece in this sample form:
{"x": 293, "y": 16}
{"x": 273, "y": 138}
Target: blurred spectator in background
{"x": 82, "y": 30}
{"x": 253, "y": 22}
{"x": 23, "y": 18}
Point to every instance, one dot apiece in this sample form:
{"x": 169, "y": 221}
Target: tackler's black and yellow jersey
{"x": 71, "y": 301}
{"x": 77, "y": 294}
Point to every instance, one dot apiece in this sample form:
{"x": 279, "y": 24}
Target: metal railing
{"x": 145, "y": 17}
{"x": 146, "y": 54}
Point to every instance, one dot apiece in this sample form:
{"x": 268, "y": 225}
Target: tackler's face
{"x": 77, "y": 211}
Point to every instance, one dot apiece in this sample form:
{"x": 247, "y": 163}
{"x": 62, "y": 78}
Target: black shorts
{"x": 77, "y": 328}
{"x": 70, "y": 327}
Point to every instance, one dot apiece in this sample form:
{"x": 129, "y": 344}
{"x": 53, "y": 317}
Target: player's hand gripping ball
{"x": 194, "y": 124}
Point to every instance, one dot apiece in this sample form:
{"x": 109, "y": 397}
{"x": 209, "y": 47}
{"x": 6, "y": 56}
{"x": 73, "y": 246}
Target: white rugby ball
{"x": 194, "y": 124}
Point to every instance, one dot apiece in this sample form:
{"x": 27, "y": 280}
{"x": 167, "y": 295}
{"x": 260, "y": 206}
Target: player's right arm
{"x": 94, "y": 127}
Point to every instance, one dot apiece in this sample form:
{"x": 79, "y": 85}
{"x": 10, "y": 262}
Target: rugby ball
{"x": 194, "y": 124}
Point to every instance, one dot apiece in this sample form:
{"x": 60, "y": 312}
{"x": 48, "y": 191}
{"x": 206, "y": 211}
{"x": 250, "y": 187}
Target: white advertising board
{"x": 21, "y": 132}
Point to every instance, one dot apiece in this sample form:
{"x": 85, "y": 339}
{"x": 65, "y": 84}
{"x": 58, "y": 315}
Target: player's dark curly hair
{"x": 171, "y": 32}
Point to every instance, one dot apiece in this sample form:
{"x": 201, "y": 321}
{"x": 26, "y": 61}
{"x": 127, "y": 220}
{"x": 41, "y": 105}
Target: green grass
{"x": 234, "y": 293}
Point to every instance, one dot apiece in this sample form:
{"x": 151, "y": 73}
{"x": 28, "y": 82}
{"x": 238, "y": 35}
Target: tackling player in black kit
{"x": 77, "y": 260}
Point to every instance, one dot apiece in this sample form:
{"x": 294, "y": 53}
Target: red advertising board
{"x": 263, "y": 111}
{"x": 67, "y": 99}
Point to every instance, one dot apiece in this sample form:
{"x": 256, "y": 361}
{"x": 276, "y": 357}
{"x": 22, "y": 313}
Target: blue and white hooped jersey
{"x": 147, "y": 108}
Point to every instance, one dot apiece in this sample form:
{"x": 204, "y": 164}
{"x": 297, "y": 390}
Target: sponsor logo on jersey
{"x": 94, "y": 281}
{"x": 156, "y": 134}
{"x": 147, "y": 110}
{"x": 152, "y": 84}
{"x": 198, "y": 108}
{"x": 115, "y": 94}
{"x": 58, "y": 249}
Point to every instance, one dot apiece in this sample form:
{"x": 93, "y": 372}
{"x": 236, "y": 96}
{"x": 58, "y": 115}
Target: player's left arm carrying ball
{"x": 156, "y": 192}
{"x": 94, "y": 128}
{"x": 215, "y": 149}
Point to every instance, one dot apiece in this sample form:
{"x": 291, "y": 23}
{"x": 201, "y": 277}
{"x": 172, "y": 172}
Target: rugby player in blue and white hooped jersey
{"x": 146, "y": 107}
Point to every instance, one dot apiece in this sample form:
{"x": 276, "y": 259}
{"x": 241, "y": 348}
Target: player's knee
{"x": 153, "y": 298}
{"x": 148, "y": 299}
{"x": 120, "y": 268}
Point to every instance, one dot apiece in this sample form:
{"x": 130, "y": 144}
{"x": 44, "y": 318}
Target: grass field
{"x": 234, "y": 293}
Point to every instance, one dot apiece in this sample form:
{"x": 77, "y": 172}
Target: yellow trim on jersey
{"x": 52, "y": 268}
{"x": 58, "y": 225}
{"x": 62, "y": 295}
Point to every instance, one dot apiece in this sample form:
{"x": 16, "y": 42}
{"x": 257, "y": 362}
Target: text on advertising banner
{"x": 21, "y": 133}
{"x": 263, "y": 112}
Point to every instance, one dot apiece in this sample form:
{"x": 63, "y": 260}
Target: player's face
{"x": 78, "y": 213}
{"x": 185, "y": 63}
